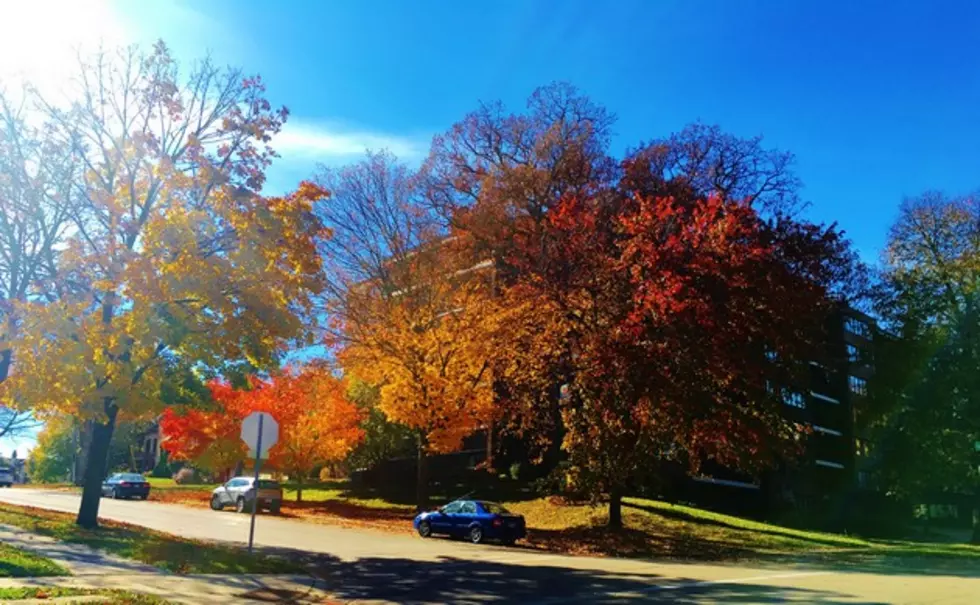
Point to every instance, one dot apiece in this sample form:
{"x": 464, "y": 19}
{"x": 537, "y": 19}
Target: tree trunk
{"x": 4, "y": 364}
{"x": 615, "y": 508}
{"x": 299, "y": 487}
{"x": 489, "y": 463}
{"x": 422, "y": 480}
{"x": 976, "y": 528}
{"x": 98, "y": 450}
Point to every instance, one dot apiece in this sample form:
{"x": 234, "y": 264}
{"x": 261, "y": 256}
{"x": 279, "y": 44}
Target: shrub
{"x": 164, "y": 468}
{"x": 516, "y": 471}
{"x": 185, "y": 476}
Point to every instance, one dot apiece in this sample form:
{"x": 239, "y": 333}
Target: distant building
{"x": 148, "y": 455}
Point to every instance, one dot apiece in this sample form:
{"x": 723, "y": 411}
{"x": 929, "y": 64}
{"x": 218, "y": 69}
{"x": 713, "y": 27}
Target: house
{"x": 147, "y": 455}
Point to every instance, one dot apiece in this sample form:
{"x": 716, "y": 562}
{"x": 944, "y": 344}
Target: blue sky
{"x": 878, "y": 100}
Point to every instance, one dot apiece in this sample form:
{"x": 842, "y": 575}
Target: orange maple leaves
{"x": 317, "y": 424}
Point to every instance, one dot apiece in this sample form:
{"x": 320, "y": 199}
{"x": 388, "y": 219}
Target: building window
{"x": 859, "y": 386}
{"x": 853, "y": 353}
{"x": 794, "y": 399}
{"x": 857, "y": 327}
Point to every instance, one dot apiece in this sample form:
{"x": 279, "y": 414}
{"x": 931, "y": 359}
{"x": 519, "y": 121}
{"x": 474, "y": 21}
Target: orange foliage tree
{"x": 317, "y": 424}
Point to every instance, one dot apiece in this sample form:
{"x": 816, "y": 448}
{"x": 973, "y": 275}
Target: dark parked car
{"x": 476, "y": 520}
{"x": 238, "y": 492}
{"x": 126, "y": 485}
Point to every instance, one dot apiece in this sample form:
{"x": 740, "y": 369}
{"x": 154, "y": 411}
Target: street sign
{"x": 260, "y": 431}
{"x": 250, "y": 433}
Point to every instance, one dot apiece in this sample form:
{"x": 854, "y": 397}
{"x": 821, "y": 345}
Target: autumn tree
{"x": 412, "y": 307}
{"x": 499, "y": 175}
{"x": 928, "y": 421}
{"x": 172, "y": 256}
{"x": 36, "y": 200}
{"x": 710, "y": 161}
{"x": 430, "y": 350}
{"x": 209, "y": 439}
{"x": 317, "y": 423}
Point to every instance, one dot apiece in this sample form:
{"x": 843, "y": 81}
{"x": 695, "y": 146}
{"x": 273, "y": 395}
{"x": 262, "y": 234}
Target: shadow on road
{"x": 453, "y": 580}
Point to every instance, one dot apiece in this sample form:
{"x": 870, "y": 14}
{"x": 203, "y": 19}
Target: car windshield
{"x": 267, "y": 484}
{"x": 131, "y": 477}
{"x": 494, "y": 509}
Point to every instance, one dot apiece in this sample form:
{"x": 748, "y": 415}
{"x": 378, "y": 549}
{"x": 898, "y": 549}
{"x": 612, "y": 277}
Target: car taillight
{"x": 124, "y": 483}
{"x": 498, "y": 522}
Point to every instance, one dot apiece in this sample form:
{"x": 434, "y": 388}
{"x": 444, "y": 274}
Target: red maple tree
{"x": 317, "y": 423}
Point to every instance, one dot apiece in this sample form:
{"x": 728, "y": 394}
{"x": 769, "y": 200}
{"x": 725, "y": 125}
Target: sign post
{"x": 260, "y": 431}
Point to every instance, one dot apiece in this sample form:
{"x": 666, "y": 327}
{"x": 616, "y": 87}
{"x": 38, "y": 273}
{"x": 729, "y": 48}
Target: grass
{"x": 18, "y": 563}
{"x": 113, "y": 597}
{"x": 651, "y": 528}
{"x": 166, "y": 551}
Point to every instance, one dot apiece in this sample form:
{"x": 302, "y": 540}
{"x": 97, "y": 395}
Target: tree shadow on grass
{"x": 454, "y": 580}
{"x": 629, "y": 542}
{"x": 681, "y": 515}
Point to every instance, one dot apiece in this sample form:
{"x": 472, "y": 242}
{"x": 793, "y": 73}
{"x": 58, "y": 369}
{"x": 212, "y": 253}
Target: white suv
{"x": 6, "y": 477}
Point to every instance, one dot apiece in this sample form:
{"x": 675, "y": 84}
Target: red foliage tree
{"x": 666, "y": 308}
{"x": 317, "y": 424}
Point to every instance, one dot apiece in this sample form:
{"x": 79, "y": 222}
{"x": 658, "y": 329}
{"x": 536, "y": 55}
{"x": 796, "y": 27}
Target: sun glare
{"x": 38, "y": 39}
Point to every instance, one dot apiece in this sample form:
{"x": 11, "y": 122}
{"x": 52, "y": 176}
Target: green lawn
{"x": 18, "y": 563}
{"x": 114, "y": 597}
{"x": 169, "y": 552}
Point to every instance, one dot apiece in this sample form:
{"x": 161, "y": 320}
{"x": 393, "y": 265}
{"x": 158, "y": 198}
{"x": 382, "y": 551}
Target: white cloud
{"x": 320, "y": 142}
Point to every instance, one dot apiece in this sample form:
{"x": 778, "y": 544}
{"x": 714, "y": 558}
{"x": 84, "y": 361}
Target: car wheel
{"x": 115, "y": 494}
{"x": 508, "y": 542}
{"x": 216, "y": 503}
{"x": 240, "y": 505}
{"x": 425, "y": 530}
{"x": 476, "y": 534}
{"x": 275, "y": 509}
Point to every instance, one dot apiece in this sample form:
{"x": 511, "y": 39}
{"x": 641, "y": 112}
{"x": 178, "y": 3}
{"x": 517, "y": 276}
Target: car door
{"x": 226, "y": 494}
{"x": 464, "y": 518}
{"x": 108, "y": 484}
{"x": 441, "y": 522}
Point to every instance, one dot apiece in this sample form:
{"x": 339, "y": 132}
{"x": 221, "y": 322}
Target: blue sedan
{"x": 475, "y": 520}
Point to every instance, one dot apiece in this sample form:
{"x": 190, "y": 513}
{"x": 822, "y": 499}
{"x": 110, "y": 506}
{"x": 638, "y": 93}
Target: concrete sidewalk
{"x": 94, "y": 569}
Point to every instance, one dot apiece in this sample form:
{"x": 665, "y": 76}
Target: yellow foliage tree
{"x": 174, "y": 257}
{"x": 431, "y": 348}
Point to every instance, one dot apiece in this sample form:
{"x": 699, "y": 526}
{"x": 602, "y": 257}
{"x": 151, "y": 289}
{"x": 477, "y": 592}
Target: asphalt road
{"x": 368, "y": 566}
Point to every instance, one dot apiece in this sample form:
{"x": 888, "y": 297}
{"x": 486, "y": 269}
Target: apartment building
{"x": 827, "y": 397}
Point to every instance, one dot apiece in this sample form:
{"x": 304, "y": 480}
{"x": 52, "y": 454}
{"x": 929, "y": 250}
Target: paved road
{"x": 368, "y": 566}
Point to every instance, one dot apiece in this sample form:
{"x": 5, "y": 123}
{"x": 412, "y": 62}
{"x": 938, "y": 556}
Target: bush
{"x": 163, "y": 469}
{"x": 516, "y": 471}
{"x": 185, "y": 476}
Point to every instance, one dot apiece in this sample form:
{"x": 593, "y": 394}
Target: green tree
{"x": 928, "y": 421}
{"x": 52, "y": 458}
{"x": 383, "y": 440}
